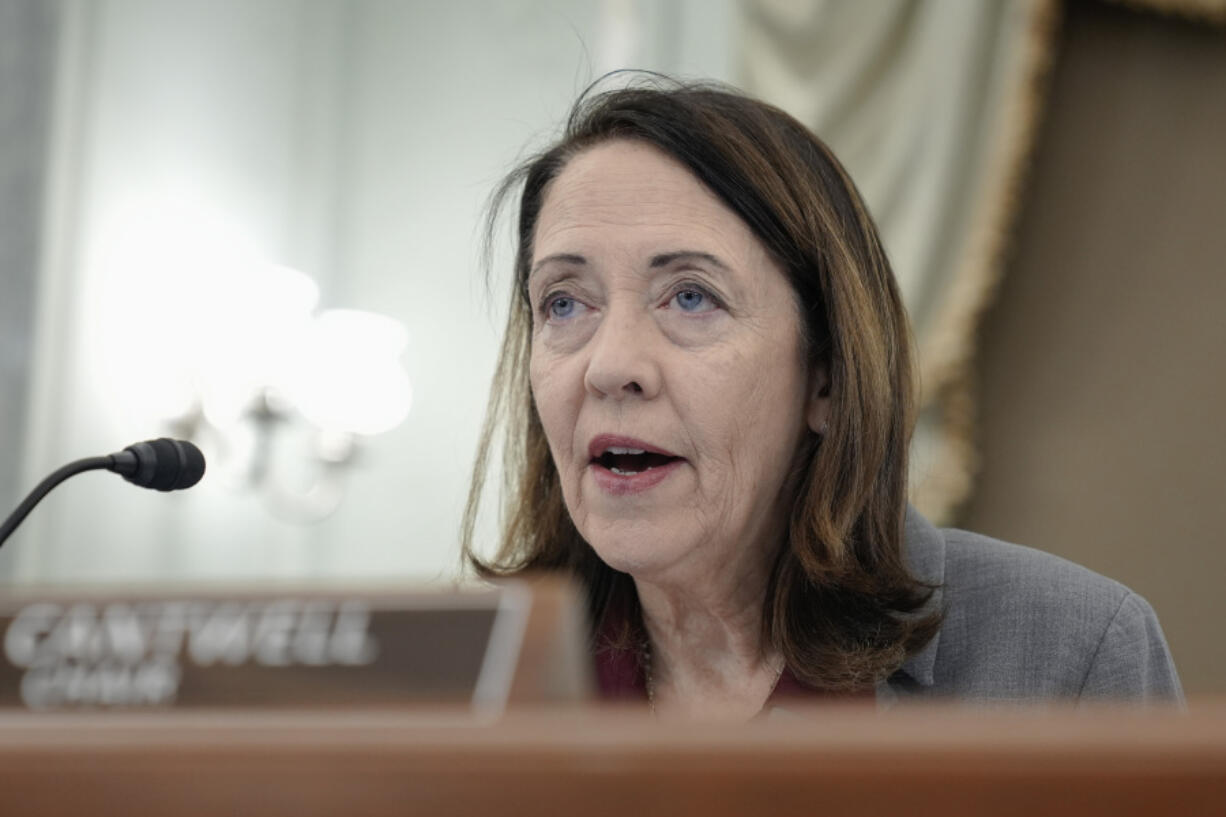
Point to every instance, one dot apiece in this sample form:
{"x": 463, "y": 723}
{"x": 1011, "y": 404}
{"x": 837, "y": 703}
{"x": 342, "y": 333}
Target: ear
{"x": 817, "y": 411}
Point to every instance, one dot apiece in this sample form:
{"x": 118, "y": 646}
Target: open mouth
{"x": 628, "y": 461}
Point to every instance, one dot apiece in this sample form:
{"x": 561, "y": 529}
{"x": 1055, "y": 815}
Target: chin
{"x": 635, "y": 554}
{"x": 619, "y": 556}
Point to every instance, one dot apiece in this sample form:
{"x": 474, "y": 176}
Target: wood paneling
{"x": 835, "y": 761}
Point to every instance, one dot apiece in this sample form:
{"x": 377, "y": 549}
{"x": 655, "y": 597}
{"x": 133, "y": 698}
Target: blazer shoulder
{"x": 986, "y": 571}
{"x": 1021, "y": 622}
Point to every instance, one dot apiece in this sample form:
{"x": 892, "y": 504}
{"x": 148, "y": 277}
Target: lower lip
{"x": 625, "y": 484}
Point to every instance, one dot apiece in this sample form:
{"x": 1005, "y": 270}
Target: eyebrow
{"x": 558, "y": 257}
{"x": 657, "y": 261}
{"x": 665, "y": 259}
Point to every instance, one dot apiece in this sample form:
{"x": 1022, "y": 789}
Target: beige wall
{"x": 1103, "y": 363}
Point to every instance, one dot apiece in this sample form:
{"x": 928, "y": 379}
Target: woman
{"x": 707, "y": 389}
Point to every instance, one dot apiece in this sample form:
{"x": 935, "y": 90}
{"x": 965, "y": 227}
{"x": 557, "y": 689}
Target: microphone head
{"x": 162, "y": 464}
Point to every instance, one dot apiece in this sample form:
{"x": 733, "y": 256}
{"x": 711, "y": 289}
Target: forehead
{"x": 633, "y": 195}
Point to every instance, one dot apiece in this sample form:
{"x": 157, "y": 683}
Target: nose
{"x": 622, "y": 360}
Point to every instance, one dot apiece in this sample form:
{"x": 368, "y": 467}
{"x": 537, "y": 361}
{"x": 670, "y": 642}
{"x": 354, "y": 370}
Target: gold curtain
{"x": 933, "y": 106}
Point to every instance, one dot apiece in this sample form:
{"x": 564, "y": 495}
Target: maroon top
{"x": 621, "y": 676}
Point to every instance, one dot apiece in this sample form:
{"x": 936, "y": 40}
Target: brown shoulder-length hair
{"x": 840, "y": 604}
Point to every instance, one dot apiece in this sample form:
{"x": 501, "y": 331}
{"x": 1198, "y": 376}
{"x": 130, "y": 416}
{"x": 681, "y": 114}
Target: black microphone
{"x": 161, "y": 464}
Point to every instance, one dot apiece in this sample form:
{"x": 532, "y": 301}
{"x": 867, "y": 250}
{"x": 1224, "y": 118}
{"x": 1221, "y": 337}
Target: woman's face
{"x": 666, "y": 365}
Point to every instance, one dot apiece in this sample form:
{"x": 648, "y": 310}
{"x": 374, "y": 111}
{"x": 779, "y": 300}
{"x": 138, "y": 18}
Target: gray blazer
{"x": 1023, "y": 624}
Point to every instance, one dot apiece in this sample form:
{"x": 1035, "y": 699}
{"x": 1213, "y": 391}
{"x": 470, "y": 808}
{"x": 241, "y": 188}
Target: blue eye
{"x": 561, "y": 307}
{"x": 694, "y": 300}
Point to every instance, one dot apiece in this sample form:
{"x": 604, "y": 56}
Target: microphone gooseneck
{"x": 162, "y": 464}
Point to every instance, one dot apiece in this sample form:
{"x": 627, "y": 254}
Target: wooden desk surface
{"x": 847, "y": 760}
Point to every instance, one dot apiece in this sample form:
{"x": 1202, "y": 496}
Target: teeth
{"x": 624, "y": 451}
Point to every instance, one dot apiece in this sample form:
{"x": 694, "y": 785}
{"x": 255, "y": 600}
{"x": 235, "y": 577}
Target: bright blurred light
{"x": 349, "y": 377}
{"x": 178, "y": 288}
{"x": 261, "y": 316}
{"x": 191, "y": 316}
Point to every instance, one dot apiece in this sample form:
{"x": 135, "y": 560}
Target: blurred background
{"x": 257, "y": 224}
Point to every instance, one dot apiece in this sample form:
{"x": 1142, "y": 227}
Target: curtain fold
{"x": 932, "y": 105}
{"x": 28, "y": 30}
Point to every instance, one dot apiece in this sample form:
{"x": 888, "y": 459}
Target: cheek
{"x": 557, "y": 399}
{"x": 752, "y": 409}
{"x": 556, "y": 405}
